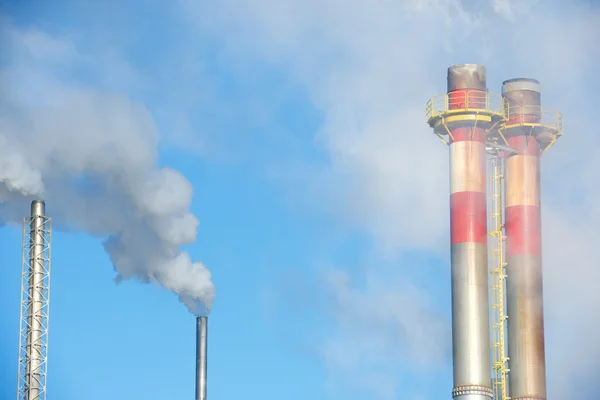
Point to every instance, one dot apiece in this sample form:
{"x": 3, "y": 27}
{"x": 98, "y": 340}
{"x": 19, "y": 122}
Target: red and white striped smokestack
{"x": 527, "y": 360}
{"x": 468, "y": 225}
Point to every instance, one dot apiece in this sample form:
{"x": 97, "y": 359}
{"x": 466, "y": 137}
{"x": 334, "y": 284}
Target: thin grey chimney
{"x": 201, "y": 340}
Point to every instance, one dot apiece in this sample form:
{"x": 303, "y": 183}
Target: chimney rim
{"x": 515, "y": 80}
{"x": 521, "y": 85}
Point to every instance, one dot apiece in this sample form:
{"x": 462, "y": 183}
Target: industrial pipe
{"x": 201, "y": 349}
{"x": 468, "y": 225}
{"x": 527, "y": 361}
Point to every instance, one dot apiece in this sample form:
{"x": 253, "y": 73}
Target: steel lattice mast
{"x": 35, "y": 297}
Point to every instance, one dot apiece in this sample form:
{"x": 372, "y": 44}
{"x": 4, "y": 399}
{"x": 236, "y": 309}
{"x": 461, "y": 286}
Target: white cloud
{"x": 371, "y": 65}
{"x": 513, "y": 9}
{"x": 387, "y": 323}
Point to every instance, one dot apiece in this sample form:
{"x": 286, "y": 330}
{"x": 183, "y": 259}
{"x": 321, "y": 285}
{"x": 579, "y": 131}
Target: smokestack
{"x": 464, "y": 116}
{"x": 468, "y": 223}
{"x": 527, "y": 360}
{"x": 201, "y": 348}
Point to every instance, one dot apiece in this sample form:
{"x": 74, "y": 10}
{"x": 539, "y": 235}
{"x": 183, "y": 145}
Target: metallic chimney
{"x": 527, "y": 360}
{"x": 201, "y": 348}
{"x": 468, "y": 236}
{"x": 462, "y": 118}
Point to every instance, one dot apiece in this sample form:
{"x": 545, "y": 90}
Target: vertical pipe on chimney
{"x": 201, "y": 349}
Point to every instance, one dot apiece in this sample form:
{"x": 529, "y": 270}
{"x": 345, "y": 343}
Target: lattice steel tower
{"x": 35, "y": 297}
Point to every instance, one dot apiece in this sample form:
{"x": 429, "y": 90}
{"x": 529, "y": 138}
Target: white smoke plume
{"x": 93, "y": 157}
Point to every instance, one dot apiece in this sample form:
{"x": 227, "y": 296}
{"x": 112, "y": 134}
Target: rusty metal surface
{"x": 522, "y": 93}
{"x": 526, "y": 327}
{"x": 521, "y": 84}
{"x": 467, "y": 76}
{"x": 523, "y": 98}
{"x": 470, "y": 316}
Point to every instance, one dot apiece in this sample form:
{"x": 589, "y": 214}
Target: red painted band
{"x": 466, "y": 98}
{"x": 523, "y": 230}
{"x": 468, "y": 219}
{"x": 523, "y": 119}
{"x": 525, "y": 144}
{"x": 468, "y": 134}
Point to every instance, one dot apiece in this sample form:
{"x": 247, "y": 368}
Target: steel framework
{"x": 35, "y": 299}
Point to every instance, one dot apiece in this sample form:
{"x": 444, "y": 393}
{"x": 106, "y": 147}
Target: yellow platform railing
{"x": 534, "y": 116}
{"x": 475, "y": 101}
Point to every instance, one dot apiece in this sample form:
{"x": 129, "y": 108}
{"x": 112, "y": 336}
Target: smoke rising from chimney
{"x": 94, "y": 158}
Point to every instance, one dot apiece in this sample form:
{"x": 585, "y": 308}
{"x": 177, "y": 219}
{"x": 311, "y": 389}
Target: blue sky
{"x": 320, "y": 192}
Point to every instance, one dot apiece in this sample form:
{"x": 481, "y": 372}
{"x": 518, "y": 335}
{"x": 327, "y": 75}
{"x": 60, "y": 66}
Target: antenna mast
{"x": 35, "y": 298}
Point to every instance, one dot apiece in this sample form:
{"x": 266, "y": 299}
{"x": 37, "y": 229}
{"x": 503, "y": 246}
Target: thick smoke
{"x": 93, "y": 158}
